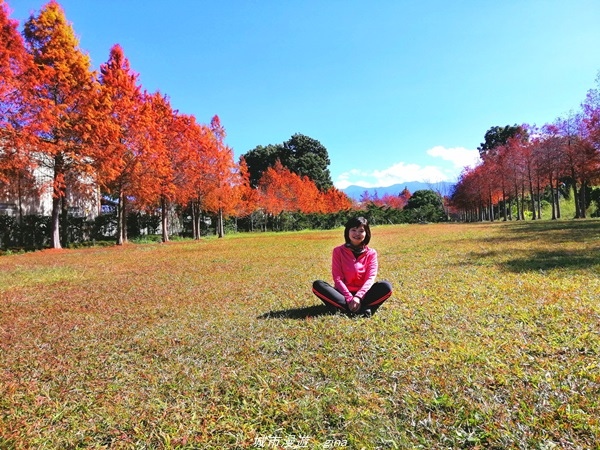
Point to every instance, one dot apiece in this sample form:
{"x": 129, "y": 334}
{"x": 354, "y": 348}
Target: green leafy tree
{"x": 425, "y": 206}
{"x": 308, "y": 157}
{"x": 300, "y": 154}
{"x": 259, "y": 160}
{"x": 497, "y": 136}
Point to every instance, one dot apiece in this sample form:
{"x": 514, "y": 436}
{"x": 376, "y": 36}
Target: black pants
{"x": 379, "y": 293}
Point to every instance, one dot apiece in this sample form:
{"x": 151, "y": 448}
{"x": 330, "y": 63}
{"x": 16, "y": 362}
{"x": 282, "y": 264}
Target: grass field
{"x": 491, "y": 340}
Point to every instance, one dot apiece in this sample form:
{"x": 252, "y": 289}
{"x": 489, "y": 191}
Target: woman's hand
{"x": 354, "y": 304}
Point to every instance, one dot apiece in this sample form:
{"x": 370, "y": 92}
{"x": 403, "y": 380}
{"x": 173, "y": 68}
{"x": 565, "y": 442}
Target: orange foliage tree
{"x": 66, "y": 92}
{"x": 282, "y": 190}
{"x": 154, "y": 185}
{"x": 395, "y": 201}
{"x": 16, "y": 173}
{"x": 192, "y": 185}
{"x": 187, "y": 151}
{"x": 118, "y": 161}
{"x": 334, "y": 200}
{"x": 247, "y": 197}
{"x": 276, "y": 194}
{"x": 167, "y": 157}
{"x": 222, "y": 179}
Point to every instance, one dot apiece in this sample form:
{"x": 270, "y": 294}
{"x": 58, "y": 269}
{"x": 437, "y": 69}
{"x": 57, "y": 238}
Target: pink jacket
{"x": 352, "y": 275}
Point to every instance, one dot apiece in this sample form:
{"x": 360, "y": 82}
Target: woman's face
{"x": 357, "y": 235}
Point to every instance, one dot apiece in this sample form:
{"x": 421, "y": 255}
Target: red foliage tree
{"x": 66, "y": 94}
{"x": 394, "y": 201}
{"x": 468, "y": 194}
{"x": 118, "y": 160}
{"x": 246, "y": 195}
{"x": 16, "y": 65}
{"x": 387, "y": 200}
{"x": 194, "y": 183}
{"x": 591, "y": 115}
{"x": 154, "y": 184}
{"x": 580, "y": 159}
{"x": 549, "y": 155}
{"x": 222, "y": 181}
{"x": 334, "y": 200}
{"x": 280, "y": 190}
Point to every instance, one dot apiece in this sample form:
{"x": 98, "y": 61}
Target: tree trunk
{"x": 220, "y": 227}
{"x": 194, "y": 226}
{"x": 165, "y": 231}
{"x": 56, "y": 203}
{"x": 20, "y": 203}
{"x": 576, "y": 197}
{"x": 539, "y": 199}
{"x": 64, "y": 219}
{"x": 199, "y": 221}
{"x": 522, "y": 202}
{"x": 55, "y": 240}
{"x": 124, "y": 218}
{"x": 532, "y": 198}
{"x": 517, "y": 202}
{"x": 557, "y": 199}
{"x": 553, "y": 198}
{"x": 120, "y": 214}
{"x": 582, "y": 200}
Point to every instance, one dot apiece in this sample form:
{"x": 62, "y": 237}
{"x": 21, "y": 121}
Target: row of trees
{"x": 522, "y": 166}
{"x": 91, "y": 132}
{"x": 98, "y": 135}
{"x": 399, "y": 201}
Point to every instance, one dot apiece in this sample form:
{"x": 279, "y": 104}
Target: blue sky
{"x": 396, "y": 90}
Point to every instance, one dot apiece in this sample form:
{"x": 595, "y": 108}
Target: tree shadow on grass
{"x": 554, "y": 259}
{"x": 560, "y": 231}
{"x": 555, "y": 232}
{"x": 542, "y": 246}
{"x": 298, "y": 313}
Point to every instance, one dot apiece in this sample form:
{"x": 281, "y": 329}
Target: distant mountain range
{"x": 356, "y": 192}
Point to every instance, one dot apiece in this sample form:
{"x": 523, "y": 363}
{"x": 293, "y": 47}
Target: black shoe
{"x": 367, "y": 313}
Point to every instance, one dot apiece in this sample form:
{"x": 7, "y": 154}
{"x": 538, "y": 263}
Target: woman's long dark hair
{"x": 356, "y": 222}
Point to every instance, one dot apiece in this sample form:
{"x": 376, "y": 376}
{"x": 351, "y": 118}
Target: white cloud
{"x": 459, "y": 156}
{"x": 398, "y": 173}
{"x": 402, "y": 172}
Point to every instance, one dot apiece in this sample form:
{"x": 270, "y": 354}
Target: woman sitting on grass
{"x": 354, "y": 269}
